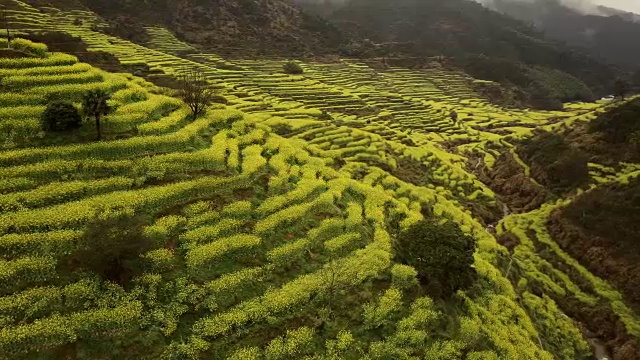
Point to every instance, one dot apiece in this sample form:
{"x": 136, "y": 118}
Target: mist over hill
{"x": 604, "y": 32}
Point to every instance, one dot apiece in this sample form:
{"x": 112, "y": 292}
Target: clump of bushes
{"x": 619, "y": 124}
{"x": 292, "y": 67}
{"x": 60, "y": 116}
{"x": 219, "y": 99}
{"x": 24, "y": 46}
{"x": 441, "y": 253}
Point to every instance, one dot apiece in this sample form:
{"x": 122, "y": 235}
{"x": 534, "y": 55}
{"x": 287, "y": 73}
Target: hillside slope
{"x": 607, "y": 35}
{"x": 272, "y": 27}
{"x": 265, "y": 229}
{"x": 462, "y": 28}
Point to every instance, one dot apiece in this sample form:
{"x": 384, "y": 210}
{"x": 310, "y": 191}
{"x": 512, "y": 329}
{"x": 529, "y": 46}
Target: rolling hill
{"x": 267, "y": 227}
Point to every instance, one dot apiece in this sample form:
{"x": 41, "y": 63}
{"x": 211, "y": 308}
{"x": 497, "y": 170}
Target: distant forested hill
{"x": 606, "y": 33}
{"x": 488, "y": 44}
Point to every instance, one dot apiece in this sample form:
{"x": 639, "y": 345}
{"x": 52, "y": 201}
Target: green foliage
{"x": 219, "y": 99}
{"x": 29, "y": 47}
{"x": 130, "y": 95}
{"x": 216, "y": 237}
{"x": 294, "y": 345}
{"x": 557, "y": 331}
{"x": 440, "y": 253}
{"x": 560, "y": 85}
{"x": 60, "y": 116}
{"x": 292, "y": 67}
{"x": 380, "y": 313}
{"x": 404, "y": 276}
{"x": 95, "y": 104}
{"x": 343, "y": 347}
{"x": 111, "y": 246}
{"x": 445, "y": 350}
{"x": 618, "y": 124}
{"x": 158, "y": 261}
{"x": 252, "y": 353}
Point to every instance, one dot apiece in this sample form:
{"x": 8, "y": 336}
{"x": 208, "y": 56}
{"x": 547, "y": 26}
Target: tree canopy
{"x": 441, "y": 253}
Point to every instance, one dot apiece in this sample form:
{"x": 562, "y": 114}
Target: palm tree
{"x": 94, "y": 103}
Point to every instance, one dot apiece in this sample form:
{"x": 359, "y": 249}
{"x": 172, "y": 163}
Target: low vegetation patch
{"x": 292, "y": 67}
{"x": 554, "y": 163}
{"x": 61, "y": 116}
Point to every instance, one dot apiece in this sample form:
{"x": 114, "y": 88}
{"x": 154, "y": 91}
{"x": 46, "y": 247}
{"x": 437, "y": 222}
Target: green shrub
{"x": 29, "y": 47}
{"x": 219, "y": 99}
{"x": 60, "y": 116}
{"x": 292, "y": 67}
{"x": 403, "y": 276}
{"x": 442, "y": 254}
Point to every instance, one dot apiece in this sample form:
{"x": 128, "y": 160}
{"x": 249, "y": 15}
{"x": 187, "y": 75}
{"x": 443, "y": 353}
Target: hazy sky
{"x": 588, "y": 5}
{"x": 629, "y": 5}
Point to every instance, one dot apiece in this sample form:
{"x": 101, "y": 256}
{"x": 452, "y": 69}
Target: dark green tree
{"x": 454, "y": 116}
{"x": 621, "y": 88}
{"x": 60, "y": 116}
{"x": 292, "y": 67}
{"x": 95, "y": 104}
{"x": 441, "y": 253}
{"x": 111, "y": 246}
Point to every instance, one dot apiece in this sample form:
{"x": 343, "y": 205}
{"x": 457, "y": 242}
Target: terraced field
{"x": 272, "y": 217}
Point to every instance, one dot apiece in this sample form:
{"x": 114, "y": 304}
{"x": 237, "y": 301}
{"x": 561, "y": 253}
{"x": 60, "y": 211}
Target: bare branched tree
{"x": 196, "y": 92}
{"x": 4, "y": 19}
